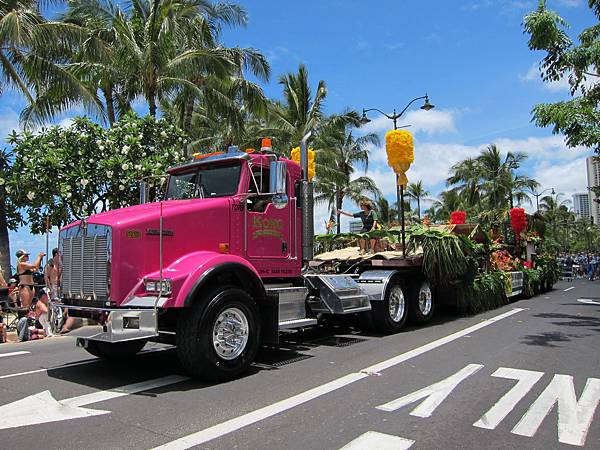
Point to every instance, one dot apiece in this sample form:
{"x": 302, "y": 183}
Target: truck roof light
{"x": 265, "y": 145}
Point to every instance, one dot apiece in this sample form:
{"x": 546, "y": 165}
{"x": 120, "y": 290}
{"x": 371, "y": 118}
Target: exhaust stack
{"x": 308, "y": 225}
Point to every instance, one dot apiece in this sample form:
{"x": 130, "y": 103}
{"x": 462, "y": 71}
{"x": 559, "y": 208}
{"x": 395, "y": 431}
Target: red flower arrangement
{"x": 518, "y": 221}
{"x": 458, "y": 217}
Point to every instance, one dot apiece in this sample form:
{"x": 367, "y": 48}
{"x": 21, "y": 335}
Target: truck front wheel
{"x": 116, "y": 350}
{"x": 218, "y": 339}
{"x": 389, "y": 315}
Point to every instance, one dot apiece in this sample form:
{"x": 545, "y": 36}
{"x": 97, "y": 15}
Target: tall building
{"x": 581, "y": 205}
{"x": 355, "y": 226}
{"x": 593, "y": 179}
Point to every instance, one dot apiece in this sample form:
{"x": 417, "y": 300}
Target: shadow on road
{"x": 550, "y": 338}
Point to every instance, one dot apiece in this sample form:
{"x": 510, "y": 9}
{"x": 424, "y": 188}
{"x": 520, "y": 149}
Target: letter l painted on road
{"x": 574, "y": 417}
{"x": 526, "y": 380}
{"x": 434, "y": 394}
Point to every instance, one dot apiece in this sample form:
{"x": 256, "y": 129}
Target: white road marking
{"x": 569, "y": 288}
{"x": 43, "y": 408}
{"x": 574, "y": 417}
{"x": 236, "y": 423}
{"x": 434, "y": 394}
{"x": 2, "y": 355}
{"x": 588, "y": 301}
{"x": 372, "y": 440}
{"x": 526, "y": 380}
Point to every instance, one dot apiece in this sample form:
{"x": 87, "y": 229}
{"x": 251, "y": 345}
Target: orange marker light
{"x": 265, "y": 144}
{"x": 224, "y": 247}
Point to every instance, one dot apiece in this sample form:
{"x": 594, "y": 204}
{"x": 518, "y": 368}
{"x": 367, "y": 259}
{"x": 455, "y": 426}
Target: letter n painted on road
{"x": 574, "y": 417}
{"x": 434, "y": 394}
{"x": 526, "y": 380}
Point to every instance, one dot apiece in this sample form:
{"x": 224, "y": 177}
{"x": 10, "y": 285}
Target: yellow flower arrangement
{"x": 311, "y": 160}
{"x": 400, "y": 148}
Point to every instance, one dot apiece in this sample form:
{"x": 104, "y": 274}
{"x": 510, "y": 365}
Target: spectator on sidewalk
{"x": 3, "y": 335}
{"x": 25, "y": 273}
{"x": 52, "y": 274}
{"x": 41, "y": 312}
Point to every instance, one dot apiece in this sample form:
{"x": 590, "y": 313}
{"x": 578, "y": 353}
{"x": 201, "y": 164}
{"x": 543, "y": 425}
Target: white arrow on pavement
{"x": 588, "y": 301}
{"x": 372, "y": 440}
{"x": 43, "y": 408}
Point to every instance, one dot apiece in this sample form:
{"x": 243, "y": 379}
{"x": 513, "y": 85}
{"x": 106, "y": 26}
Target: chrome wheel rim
{"x": 396, "y": 304}
{"x": 230, "y": 333}
{"x": 425, "y": 299}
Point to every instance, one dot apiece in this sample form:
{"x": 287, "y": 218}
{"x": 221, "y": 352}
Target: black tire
{"x": 115, "y": 351}
{"x": 421, "y": 302}
{"x": 196, "y": 348}
{"x": 383, "y": 319}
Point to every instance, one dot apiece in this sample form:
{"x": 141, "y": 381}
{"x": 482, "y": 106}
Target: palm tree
{"x": 465, "y": 174}
{"x": 338, "y": 154}
{"x": 449, "y": 201}
{"x": 19, "y": 20}
{"x": 158, "y": 49}
{"x": 299, "y": 113}
{"x": 417, "y": 191}
{"x": 385, "y": 213}
{"x": 496, "y": 173}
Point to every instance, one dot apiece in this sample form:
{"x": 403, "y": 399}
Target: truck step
{"x": 298, "y": 323}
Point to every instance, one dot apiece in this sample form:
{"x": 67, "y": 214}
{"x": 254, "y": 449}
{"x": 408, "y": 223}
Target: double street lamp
{"x": 537, "y": 197}
{"x": 399, "y": 187}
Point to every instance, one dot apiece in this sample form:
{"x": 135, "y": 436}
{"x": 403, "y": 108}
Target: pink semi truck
{"x": 219, "y": 266}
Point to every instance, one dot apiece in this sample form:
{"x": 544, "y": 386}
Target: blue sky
{"x": 471, "y": 57}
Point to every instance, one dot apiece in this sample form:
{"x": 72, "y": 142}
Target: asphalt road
{"x": 523, "y": 376}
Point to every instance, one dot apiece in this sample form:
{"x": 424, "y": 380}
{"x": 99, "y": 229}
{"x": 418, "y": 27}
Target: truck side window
{"x": 261, "y": 198}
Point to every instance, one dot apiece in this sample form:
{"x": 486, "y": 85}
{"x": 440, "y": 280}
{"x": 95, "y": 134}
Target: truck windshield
{"x": 204, "y": 181}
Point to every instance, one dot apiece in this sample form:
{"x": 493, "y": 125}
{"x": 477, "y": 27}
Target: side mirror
{"x": 278, "y": 170}
{"x": 144, "y": 191}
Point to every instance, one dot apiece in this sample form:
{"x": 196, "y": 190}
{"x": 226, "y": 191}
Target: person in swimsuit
{"x": 25, "y": 272}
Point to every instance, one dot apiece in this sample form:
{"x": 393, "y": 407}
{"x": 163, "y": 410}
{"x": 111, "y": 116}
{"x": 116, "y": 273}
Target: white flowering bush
{"x": 71, "y": 173}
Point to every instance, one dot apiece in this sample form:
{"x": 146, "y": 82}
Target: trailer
{"x": 221, "y": 264}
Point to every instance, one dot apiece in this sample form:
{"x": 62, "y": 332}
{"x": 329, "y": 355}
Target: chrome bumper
{"x": 114, "y": 325}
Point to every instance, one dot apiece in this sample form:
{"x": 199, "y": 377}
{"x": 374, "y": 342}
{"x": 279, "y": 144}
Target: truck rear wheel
{"x": 389, "y": 315}
{"x": 219, "y": 338}
{"x": 116, "y": 350}
{"x": 421, "y": 303}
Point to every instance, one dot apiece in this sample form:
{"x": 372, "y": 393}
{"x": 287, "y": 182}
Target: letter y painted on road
{"x": 434, "y": 394}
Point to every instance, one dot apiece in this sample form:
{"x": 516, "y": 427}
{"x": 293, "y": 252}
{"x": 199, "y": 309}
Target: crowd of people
{"x": 580, "y": 265}
{"x": 30, "y": 298}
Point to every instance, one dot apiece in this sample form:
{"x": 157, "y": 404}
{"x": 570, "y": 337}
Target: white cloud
{"x": 430, "y": 122}
{"x": 66, "y": 122}
{"x": 562, "y": 85}
{"x": 547, "y": 148}
{"x": 9, "y": 121}
{"x": 566, "y": 178}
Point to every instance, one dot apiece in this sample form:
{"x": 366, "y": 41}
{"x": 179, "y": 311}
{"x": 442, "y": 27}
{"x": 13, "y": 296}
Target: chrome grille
{"x": 85, "y": 266}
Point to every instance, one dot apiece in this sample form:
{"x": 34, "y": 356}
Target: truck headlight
{"x": 152, "y": 286}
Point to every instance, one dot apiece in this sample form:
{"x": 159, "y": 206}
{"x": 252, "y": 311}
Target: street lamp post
{"x": 537, "y": 197}
{"x": 399, "y": 187}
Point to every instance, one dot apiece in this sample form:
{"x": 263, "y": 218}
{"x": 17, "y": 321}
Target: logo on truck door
{"x": 267, "y": 227}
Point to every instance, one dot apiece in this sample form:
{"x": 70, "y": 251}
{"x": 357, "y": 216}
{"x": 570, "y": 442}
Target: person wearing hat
{"x": 25, "y": 273}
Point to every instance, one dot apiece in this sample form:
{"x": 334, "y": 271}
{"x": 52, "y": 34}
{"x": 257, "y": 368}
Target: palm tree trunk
{"x": 152, "y": 102}
{"x": 339, "y": 199}
{"x": 419, "y": 208}
{"x": 110, "y": 104}
{"x": 187, "y": 114}
{"x": 4, "y": 243}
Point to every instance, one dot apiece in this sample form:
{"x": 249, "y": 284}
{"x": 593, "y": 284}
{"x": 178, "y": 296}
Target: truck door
{"x": 268, "y": 227}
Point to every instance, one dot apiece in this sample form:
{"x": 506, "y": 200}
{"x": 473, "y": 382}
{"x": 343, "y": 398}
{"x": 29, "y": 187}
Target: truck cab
{"x": 217, "y": 267}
